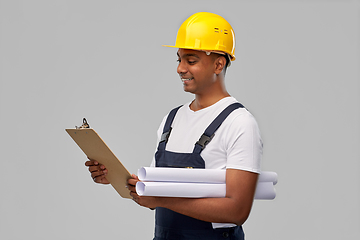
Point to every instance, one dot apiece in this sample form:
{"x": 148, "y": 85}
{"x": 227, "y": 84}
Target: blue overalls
{"x": 170, "y": 225}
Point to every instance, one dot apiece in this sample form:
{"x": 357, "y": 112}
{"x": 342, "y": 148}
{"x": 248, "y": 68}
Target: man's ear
{"x": 220, "y": 63}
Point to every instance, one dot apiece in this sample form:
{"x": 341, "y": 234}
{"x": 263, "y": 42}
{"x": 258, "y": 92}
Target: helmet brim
{"x": 232, "y": 57}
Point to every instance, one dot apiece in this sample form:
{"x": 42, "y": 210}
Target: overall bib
{"x": 170, "y": 225}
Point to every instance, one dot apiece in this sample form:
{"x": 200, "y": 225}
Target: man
{"x": 213, "y": 131}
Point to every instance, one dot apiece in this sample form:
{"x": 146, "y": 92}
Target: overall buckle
{"x": 204, "y": 140}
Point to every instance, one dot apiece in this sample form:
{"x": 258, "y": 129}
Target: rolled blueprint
{"x": 160, "y": 174}
{"x": 179, "y": 189}
{"x": 264, "y": 190}
{"x": 193, "y": 175}
{"x": 268, "y": 177}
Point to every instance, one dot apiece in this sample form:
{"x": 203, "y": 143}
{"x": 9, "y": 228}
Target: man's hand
{"x": 98, "y": 171}
{"x": 149, "y": 202}
{"x": 132, "y": 185}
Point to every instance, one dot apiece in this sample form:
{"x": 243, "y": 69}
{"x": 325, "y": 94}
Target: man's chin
{"x": 186, "y": 89}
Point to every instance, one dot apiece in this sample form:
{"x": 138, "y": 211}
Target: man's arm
{"x": 234, "y": 208}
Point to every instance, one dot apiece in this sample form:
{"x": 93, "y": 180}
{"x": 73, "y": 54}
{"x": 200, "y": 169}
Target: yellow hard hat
{"x": 206, "y": 31}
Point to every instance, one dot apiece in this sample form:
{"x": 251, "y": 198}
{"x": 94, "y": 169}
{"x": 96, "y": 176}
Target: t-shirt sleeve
{"x": 244, "y": 145}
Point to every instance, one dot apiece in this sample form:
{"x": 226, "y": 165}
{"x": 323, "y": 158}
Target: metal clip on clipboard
{"x": 84, "y": 125}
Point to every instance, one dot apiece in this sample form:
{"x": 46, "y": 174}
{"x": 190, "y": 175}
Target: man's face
{"x": 196, "y": 70}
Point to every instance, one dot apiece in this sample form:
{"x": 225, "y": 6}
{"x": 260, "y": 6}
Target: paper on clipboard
{"x": 95, "y": 148}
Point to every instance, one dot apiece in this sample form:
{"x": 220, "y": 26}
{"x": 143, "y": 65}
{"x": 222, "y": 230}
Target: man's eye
{"x": 191, "y": 62}
{"x": 178, "y": 60}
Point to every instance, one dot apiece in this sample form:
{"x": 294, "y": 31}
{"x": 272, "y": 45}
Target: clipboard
{"x": 96, "y": 149}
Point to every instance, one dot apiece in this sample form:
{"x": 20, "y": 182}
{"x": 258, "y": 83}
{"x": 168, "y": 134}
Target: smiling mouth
{"x": 186, "y": 79}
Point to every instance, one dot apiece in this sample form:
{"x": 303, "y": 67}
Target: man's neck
{"x": 201, "y": 102}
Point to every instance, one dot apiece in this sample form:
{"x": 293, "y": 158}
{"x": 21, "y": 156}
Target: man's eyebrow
{"x": 188, "y": 55}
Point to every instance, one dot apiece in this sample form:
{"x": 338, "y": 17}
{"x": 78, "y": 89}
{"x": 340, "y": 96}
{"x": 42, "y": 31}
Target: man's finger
{"x": 98, "y": 179}
{"x": 132, "y": 181}
{"x": 91, "y": 163}
{"x": 97, "y": 168}
{"x": 94, "y": 169}
{"x": 97, "y": 174}
{"x": 132, "y": 188}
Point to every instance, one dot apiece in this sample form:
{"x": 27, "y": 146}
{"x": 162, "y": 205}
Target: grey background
{"x": 297, "y": 70}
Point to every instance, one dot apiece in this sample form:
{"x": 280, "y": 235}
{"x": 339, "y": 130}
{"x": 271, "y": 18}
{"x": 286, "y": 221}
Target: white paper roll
{"x": 159, "y": 174}
{"x": 178, "y": 189}
{"x": 264, "y": 190}
{"x": 268, "y": 177}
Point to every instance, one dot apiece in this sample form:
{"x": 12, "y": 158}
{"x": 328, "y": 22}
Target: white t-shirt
{"x": 236, "y": 145}
{"x": 237, "y": 142}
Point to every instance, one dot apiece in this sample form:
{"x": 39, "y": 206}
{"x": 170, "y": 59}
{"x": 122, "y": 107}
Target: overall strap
{"x": 211, "y": 129}
{"x": 167, "y": 128}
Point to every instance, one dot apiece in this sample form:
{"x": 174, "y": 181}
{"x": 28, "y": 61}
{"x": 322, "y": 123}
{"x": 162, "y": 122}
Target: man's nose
{"x": 181, "y": 68}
